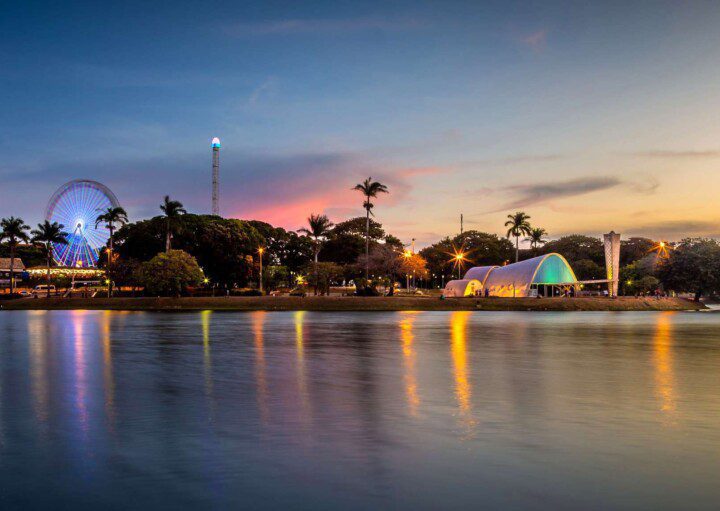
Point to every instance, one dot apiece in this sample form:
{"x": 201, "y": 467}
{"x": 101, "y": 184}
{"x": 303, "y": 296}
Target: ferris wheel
{"x": 76, "y": 205}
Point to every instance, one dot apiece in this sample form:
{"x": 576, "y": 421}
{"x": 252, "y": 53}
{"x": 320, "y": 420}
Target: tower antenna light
{"x": 215, "y": 176}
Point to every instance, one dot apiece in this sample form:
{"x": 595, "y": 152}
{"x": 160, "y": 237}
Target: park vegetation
{"x": 178, "y": 253}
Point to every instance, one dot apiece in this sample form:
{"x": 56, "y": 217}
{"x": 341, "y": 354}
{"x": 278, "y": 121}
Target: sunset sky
{"x": 587, "y": 117}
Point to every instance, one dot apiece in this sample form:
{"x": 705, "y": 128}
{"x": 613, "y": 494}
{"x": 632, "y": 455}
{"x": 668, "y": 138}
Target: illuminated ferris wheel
{"x": 76, "y": 205}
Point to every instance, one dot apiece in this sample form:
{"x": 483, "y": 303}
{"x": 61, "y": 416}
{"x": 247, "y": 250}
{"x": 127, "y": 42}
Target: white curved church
{"x": 537, "y": 276}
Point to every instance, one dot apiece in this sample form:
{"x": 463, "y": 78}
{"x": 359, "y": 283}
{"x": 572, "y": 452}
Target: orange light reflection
{"x": 409, "y": 358}
{"x": 463, "y": 391}
{"x": 258, "y": 320}
{"x": 663, "y": 361}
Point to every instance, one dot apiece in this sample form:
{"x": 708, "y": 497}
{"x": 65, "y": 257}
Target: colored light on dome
{"x": 215, "y": 142}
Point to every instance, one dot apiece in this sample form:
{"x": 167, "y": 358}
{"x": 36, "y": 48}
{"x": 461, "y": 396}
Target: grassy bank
{"x": 350, "y": 303}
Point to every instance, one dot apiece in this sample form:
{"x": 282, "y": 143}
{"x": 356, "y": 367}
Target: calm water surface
{"x": 429, "y": 410}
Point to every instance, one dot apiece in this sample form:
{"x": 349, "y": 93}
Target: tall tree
{"x": 694, "y": 266}
{"x": 49, "y": 234}
{"x": 111, "y": 217}
{"x": 172, "y": 209}
{"x": 14, "y": 230}
{"x": 318, "y": 227}
{"x": 535, "y": 237}
{"x": 346, "y": 242}
{"x": 370, "y": 189}
{"x": 518, "y": 225}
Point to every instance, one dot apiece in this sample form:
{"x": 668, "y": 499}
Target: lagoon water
{"x": 300, "y": 410}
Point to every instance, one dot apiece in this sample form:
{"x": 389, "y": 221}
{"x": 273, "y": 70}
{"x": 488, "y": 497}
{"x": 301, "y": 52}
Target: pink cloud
{"x": 420, "y": 171}
{"x": 287, "y": 202}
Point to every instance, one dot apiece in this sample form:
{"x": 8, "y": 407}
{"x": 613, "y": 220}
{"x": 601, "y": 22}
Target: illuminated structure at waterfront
{"x": 525, "y": 278}
{"x": 215, "y": 176}
{"x": 76, "y": 205}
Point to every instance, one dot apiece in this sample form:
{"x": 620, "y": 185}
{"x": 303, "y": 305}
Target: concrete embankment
{"x": 351, "y": 303}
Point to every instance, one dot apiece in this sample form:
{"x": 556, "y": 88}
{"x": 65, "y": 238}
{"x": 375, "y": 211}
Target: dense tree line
{"x": 155, "y": 253}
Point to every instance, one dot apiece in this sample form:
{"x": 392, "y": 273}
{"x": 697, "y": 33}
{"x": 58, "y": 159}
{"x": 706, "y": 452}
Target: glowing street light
{"x": 458, "y": 258}
{"x": 407, "y": 255}
{"x": 260, "y": 251}
{"x": 661, "y": 248}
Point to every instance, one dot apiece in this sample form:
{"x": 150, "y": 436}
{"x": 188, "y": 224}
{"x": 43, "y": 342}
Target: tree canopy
{"x": 577, "y": 247}
{"x": 223, "y": 247}
{"x": 481, "y": 249}
{"x": 693, "y": 266}
{"x": 170, "y": 273}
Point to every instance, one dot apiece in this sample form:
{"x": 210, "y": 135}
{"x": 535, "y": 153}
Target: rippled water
{"x": 429, "y": 410}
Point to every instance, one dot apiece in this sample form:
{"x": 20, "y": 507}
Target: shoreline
{"x": 354, "y": 303}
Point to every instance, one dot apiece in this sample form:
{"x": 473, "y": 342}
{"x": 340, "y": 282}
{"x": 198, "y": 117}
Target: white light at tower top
{"x": 215, "y": 142}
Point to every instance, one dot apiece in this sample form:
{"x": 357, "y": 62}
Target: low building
{"x": 544, "y": 275}
{"x": 18, "y": 268}
{"x": 56, "y": 272}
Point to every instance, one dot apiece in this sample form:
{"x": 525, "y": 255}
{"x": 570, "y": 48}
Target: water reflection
{"x": 409, "y": 358}
{"x": 79, "y": 322}
{"x": 306, "y": 412}
{"x": 356, "y": 411}
{"x": 108, "y": 380}
{"x": 207, "y": 360}
{"x": 663, "y": 361}
{"x": 463, "y": 390}
{"x": 258, "y": 324}
{"x": 38, "y": 327}
{"x": 205, "y": 320}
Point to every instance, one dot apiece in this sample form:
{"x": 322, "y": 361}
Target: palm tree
{"x": 172, "y": 209}
{"x": 536, "y": 237}
{"x": 369, "y": 189}
{"x": 49, "y": 234}
{"x": 319, "y": 227}
{"x": 14, "y": 230}
{"x": 517, "y": 226}
{"x": 112, "y": 216}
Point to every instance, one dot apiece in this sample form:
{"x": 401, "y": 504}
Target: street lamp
{"x": 407, "y": 255}
{"x": 459, "y": 257}
{"x": 260, "y": 251}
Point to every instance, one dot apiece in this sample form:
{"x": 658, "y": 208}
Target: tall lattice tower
{"x": 216, "y": 176}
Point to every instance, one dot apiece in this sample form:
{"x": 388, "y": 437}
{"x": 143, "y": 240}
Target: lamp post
{"x": 459, "y": 259}
{"x": 407, "y": 255}
{"x": 260, "y": 252}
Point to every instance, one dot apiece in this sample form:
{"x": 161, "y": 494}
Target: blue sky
{"x": 589, "y": 117}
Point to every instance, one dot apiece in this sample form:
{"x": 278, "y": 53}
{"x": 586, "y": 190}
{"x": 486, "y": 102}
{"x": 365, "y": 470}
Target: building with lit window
{"x": 18, "y": 269}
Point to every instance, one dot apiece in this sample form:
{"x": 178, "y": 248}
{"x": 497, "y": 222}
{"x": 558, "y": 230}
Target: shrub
{"x": 170, "y": 273}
